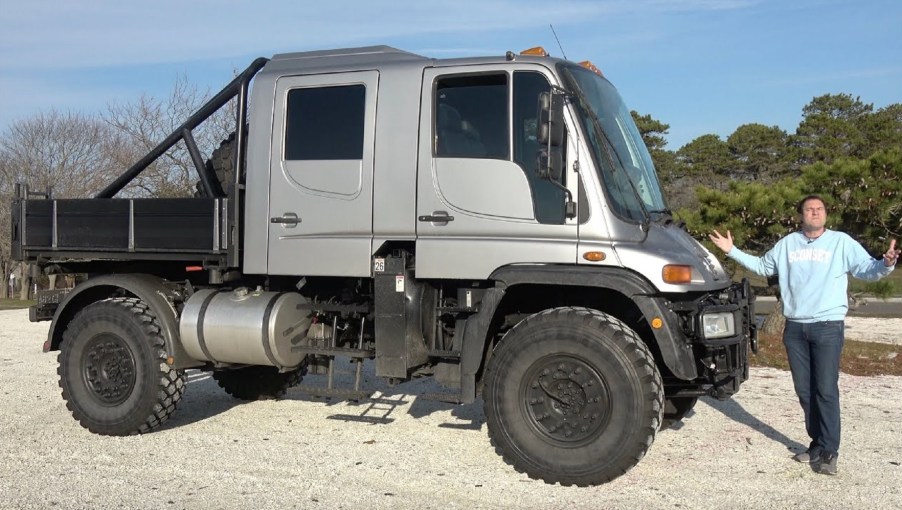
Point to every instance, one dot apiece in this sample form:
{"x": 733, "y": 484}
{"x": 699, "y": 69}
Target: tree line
{"x": 843, "y": 149}
{"x": 76, "y": 155}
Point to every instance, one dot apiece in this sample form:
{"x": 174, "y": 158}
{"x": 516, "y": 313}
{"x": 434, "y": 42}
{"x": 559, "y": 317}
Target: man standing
{"x": 812, "y": 266}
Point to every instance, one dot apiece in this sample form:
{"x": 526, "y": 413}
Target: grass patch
{"x": 858, "y": 358}
{"x": 12, "y": 304}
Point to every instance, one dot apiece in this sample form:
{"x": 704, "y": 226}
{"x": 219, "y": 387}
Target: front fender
{"x": 675, "y": 348}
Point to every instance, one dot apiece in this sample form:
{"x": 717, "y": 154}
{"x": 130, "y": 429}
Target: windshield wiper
{"x": 606, "y": 144}
{"x": 666, "y": 217}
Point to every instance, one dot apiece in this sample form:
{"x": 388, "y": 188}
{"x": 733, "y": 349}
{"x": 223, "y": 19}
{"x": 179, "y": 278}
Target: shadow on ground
{"x": 734, "y": 411}
{"x": 204, "y": 399}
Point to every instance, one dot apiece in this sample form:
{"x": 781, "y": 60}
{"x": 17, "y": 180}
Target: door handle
{"x": 288, "y": 220}
{"x": 437, "y": 217}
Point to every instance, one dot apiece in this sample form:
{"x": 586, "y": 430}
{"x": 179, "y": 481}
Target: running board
{"x": 335, "y": 351}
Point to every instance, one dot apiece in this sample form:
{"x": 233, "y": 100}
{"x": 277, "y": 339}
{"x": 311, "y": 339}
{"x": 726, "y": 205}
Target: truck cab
{"x": 454, "y": 169}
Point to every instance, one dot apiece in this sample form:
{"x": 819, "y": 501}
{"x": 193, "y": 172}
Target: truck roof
{"x": 367, "y": 57}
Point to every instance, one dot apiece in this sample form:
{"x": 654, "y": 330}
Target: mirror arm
{"x": 567, "y": 207}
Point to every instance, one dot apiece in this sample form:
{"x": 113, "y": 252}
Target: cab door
{"x": 480, "y": 203}
{"x": 321, "y": 184}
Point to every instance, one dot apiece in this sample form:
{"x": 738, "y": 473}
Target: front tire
{"x": 572, "y": 396}
{"x": 113, "y": 370}
{"x": 675, "y": 409}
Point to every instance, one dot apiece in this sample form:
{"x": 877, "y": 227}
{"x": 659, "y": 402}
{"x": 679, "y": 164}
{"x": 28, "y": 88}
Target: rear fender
{"x": 154, "y": 291}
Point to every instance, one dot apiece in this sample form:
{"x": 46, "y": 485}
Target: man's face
{"x": 814, "y": 214}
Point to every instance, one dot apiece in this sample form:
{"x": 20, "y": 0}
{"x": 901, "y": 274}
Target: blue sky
{"x": 702, "y": 66}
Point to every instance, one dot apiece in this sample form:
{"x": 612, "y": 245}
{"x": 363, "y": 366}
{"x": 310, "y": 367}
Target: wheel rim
{"x": 566, "y": 400}
{"x": 109, "y": 369}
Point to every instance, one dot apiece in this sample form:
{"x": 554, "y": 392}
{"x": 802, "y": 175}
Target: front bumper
{"x": 723, "y": 363}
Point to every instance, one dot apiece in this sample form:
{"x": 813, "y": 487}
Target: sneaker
{"x": 827, "y": 464}
{"x": 805, "y": 457}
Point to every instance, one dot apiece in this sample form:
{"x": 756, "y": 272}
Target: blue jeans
{"x": 813, "y": 350}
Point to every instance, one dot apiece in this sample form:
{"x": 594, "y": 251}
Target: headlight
{"x": 718, "y": 325}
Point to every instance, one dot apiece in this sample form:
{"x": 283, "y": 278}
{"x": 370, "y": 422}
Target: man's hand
{"x": 891, "y": 255}
{"x": 726, "y": 243}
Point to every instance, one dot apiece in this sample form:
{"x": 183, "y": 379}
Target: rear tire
{"x": 259, "y": 382}
{"x": 572, "y": 396}
{"x": 113, "y": 370}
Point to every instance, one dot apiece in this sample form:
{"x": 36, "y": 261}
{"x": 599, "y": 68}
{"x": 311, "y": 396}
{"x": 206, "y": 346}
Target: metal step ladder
{"x": 330, "y": 351}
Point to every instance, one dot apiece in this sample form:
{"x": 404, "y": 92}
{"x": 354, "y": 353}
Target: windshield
{"x": 623, "y": 162}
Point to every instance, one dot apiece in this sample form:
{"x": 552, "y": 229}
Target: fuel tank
{"x": 244, "y": 326}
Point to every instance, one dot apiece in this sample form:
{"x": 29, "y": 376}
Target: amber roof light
{"x": 590, "y": 66}
{"x": 537, "y": 51}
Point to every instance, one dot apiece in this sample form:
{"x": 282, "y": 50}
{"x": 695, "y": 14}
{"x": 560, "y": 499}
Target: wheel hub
{"x": 567, "y": 400}
{"x": 109, "y": 370}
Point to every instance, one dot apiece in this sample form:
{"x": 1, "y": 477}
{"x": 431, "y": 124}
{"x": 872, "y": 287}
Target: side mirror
{"x": 550, "y": 164}
{"x": 550, "y": 129}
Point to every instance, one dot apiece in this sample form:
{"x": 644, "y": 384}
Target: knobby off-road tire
{"x": 675, "y": 409}
{"x": 572, "y": 396}
{"x": 113, "y": 371}
{"x": 259, "y": 382}
{"x": 223, "y": 165}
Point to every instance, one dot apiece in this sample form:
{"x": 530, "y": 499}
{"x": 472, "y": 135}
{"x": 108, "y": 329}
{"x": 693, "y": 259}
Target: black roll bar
{"x": 238, "y": 86}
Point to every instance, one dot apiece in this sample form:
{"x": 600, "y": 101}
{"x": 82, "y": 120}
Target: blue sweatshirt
{"x": 813, "y": 281}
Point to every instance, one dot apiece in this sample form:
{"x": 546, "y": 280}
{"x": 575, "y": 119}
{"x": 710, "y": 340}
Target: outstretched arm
{"x": 765, "y": 266}
{"x": 891, "y": 255}
{"x": 724, "y": 243}
{"x": 865, "y": 267}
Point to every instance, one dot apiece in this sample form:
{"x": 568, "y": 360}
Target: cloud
{"x": 60, "y": 34}
{"x": 703, "y": 5}
{"x": 63, "y": 34}
{"x": 23, "y": 96}
{"x": 82, "y": 55}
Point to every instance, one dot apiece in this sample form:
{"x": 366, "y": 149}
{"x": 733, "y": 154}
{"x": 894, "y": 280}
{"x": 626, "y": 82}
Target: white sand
{"x": 866, "y": 329}
{"x": 402, "y": 452}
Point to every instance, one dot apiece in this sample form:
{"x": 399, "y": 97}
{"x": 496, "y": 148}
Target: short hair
{"x": 810, "y": 197}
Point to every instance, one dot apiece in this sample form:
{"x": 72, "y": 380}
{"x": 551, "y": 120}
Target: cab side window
{"x": 548, "y": 199}
{"x": 325, "y": 123}
{"x": 471, "y": 117}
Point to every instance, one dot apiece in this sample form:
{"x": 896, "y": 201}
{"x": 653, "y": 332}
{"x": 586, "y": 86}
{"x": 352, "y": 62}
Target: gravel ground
{"x": 886, "y": 331}
{"x": 399, "y": 451}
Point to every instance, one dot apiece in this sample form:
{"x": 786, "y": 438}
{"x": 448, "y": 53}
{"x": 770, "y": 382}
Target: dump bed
{"x": 80, "y": 232}
{"x": 189, "y": 229}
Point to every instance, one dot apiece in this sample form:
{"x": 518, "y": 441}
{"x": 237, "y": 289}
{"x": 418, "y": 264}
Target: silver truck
{"x": 495, "y": 223}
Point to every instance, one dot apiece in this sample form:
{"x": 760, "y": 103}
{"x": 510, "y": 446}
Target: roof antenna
{"x": 558, "y": 41}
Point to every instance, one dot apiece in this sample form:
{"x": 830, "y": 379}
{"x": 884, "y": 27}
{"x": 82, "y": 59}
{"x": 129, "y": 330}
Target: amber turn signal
{"x": 673, "y": 273}
{"x": 594, "y": 256}
{"x": 657, "y": 323}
